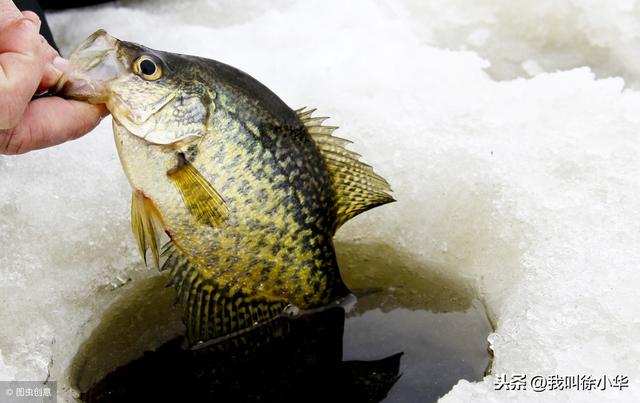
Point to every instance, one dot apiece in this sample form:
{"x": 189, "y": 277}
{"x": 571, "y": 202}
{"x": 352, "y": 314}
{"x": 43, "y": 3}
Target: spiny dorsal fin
{"x": 202, "y": 200}
{"x": 357, "y": 187}
{"x": 146, "y": 224}
{"x": 210, "y": 312}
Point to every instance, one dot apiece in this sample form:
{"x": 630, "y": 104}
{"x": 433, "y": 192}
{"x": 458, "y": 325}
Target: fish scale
{"x": 249, "y": 191}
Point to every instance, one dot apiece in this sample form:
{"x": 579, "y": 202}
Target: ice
{"x": 556, "y": 35}
{"x": 528, "y": 190}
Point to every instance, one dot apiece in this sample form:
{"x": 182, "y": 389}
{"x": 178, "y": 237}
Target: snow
{"x": 508, "y": 131}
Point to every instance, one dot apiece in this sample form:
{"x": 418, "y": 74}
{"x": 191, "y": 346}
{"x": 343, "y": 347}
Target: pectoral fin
{"x": 202, "y": 200}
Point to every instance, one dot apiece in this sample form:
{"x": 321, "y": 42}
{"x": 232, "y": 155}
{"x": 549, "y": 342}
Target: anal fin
{"x": 209, "y": 310}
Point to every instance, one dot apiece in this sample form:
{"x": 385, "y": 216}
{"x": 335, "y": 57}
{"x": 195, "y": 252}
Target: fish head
{"x": 145, "y": 90}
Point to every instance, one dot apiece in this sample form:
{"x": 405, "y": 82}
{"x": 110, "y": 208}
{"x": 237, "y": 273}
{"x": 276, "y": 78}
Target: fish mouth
{"x": 93, "y": 64}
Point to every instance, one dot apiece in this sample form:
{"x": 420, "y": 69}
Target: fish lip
{"x": 91, "y": 39}
{"x": 92, "y": 65}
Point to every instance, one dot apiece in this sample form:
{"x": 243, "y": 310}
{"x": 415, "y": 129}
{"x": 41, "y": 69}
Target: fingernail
{"x": 54, "y": 71}
{"x": 60, "y": 63}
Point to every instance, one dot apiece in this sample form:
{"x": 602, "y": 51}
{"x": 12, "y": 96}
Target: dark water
{"x": 411, "y": 336}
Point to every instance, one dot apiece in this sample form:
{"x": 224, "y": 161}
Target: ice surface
{"x": 529, "y": 190}
{"x": 522, "y": 38}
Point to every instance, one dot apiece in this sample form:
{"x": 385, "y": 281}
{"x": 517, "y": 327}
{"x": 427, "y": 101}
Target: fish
{"x": 248, "y": 191}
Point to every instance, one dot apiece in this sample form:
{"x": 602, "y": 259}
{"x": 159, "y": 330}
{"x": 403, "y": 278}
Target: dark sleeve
{"x": 62, "y": 4}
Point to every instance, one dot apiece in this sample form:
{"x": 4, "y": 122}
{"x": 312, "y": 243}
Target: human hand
{"x": 28, "y": 65}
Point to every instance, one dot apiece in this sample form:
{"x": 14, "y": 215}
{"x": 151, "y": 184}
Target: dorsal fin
{"x": 358, "y": 188}
{"x": 146, "y": 224}
{"x": 210, "y": 311}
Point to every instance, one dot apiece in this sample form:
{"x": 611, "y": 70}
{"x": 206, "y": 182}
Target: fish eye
{"x": 147, "y": 68}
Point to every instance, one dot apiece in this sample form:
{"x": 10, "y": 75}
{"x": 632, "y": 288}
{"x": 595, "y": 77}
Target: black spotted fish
{"x": 249, "y": 191}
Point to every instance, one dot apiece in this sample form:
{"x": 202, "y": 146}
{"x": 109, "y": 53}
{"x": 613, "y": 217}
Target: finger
{"x": 54, "y": 69}
{"x": 52, "y": 73}
{"x": 33, "y": 17}
{"x": 50, "y": 121}
{"x": 8, "y": 12}
{"x": 50, "y": 77}
{"x": 21, "y": 69}
{"x": 49, "y": 51}
{"x": 16, "y": 32}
